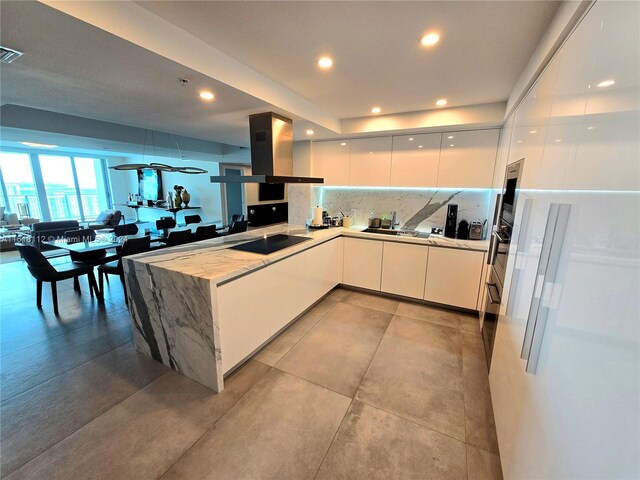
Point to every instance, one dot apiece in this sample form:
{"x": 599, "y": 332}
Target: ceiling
{"x": 76, "y": 68}
{"x": 483, "y": 48}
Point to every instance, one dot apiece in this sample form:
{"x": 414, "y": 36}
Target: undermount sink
{"x": 400, "y": 233}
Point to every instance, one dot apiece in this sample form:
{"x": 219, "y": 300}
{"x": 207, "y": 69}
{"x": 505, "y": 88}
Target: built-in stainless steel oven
{"x": 498, "y": 254}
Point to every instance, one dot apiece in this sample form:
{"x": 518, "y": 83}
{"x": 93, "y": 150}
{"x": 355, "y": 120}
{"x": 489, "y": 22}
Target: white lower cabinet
{"x": 404, "y": 269}
{"x": 453, "y": 277}
{"x": 362, "y": 263}
{"x": 255, "y": 307}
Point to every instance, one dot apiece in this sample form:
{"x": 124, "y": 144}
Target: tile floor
{"x": 360, "y": 387}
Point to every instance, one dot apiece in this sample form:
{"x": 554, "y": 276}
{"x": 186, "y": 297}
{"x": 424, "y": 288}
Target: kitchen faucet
{"x": 393, "y": 220}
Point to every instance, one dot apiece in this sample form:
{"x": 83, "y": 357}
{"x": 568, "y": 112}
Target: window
{"x": 18, "y": 185}
{"x": 55, "y": 187}
{"x": 92, "y": 186}
{"x": 60, "y": 186}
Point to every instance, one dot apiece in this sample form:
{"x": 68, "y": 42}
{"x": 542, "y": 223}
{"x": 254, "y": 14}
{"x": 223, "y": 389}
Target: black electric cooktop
{"x": 270, "y": 244}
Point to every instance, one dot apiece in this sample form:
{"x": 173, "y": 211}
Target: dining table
{"x": 101, "y": 242}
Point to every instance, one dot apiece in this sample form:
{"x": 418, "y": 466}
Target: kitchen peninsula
{"x": 203, "y": 308}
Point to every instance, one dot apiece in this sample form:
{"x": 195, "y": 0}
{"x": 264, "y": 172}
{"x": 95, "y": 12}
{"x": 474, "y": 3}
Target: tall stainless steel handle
{"x": 491, "y": 299}
{"x": 545, "y": 282}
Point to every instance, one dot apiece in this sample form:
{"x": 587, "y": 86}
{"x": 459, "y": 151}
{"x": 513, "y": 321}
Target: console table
{"x": 174, "y": 211}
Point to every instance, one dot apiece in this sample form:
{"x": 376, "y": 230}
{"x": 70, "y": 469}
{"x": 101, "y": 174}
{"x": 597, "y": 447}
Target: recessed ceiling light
{"x": 325, "y": 62}
{"x": 533, "y": 131}
{"x": 590, "y": 127}
{"x": 430, "y": 39}
{"x": 343, "y": 144}
{"x": 38, "y": 145}
{"x": 519, "y": 141}
{"x": 419, "y": 146}
{"x": 558, "y": 140}
{"x": 309, "y": 132}
{"x": 451, "y": 145}
{"x": 450, "y": 137}
{"x": 376, "y": 110}
{"x": 207, "y": 95}
{"x": 411, "y": 139}
{"x": 606, "y": 83}
{"x": 442, "y": 102}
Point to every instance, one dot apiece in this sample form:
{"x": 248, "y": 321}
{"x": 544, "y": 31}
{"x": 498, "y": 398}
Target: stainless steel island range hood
{"x": 271, "y": 152}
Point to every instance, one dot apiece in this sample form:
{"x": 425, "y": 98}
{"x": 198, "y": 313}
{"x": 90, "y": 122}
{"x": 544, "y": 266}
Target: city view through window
{"x": 53, "y": 187}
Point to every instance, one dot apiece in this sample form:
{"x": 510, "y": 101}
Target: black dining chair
{"x": 204, "y": 232}
{"x": 179, "y": 237}
{"x": 189, "y": 219}
{"x": 126, "y": 229}
{"x": 165, "y": 224}
{"x": 131, "y": 246}
{"x": 43, "y": 271}
{"x": 238, "y": 227}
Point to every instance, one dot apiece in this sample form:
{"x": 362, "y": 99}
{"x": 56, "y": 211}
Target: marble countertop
{"x": 213, "y": 260}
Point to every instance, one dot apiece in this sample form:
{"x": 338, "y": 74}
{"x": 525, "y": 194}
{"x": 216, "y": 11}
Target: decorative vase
{"x": 186, "y": 198}
{"x": 178, "y": 200}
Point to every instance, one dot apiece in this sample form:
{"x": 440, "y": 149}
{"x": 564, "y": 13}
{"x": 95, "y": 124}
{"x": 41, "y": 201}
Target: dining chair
{"x": 205, "y": 232}
{"x": 43, "y": 271}
{"x": 189, "y": 219}
{"x": 179, "y": 237}
{"x": 131, "y": 246}
{"x": 238, "y": 227}
{"x": 165, "y": 224}
{"x": 126, "y": 229}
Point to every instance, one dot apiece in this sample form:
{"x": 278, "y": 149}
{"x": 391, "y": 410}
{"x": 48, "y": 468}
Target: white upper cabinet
{"x": 370, "y": 163}
{"x": 415, "y": 159}
{"x": 468, "y": 158}
{"x": 330, "y": 160}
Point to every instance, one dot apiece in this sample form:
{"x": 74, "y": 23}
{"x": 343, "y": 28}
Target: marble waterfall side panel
{"x": 173, "y": 321}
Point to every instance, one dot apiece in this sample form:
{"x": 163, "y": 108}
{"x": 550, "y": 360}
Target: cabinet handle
{"x": 555, "y": 230}
{"x": 491, "y": 299}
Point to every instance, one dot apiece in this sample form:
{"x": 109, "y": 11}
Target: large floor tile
{"x": 143, "y": 436}
{"x": 427, "y": 313}
{"x": 279, "y": 346}
{"x": 43, "y": 416}
{"x": 482, "y": 465}
{"x": 281, "y": 429}
{"x": 338, "y": 294}
{"x": 372, "y": 444}
{"x": 32, "y": 366}
{"x": 368, "y": 300}
{"x": 479, "y": 421}
{"x": 417, "y": 373}
{"x": 338, "y": 350}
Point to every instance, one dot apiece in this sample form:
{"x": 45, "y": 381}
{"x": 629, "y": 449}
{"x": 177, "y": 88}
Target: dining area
{"x": 96, "y": 255}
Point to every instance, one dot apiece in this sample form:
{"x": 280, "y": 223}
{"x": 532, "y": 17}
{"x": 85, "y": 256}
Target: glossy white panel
{"x": 415, "y": 160}
{"x": 404, "y": 269}
{"x": 362, "y": 263}
{"x": 467, "y": 159}
{"x": 453, "y": 277}
{"x": 330, "y": 160}
{"x": 579, "y": 415}
{"x": 370, "y": 162}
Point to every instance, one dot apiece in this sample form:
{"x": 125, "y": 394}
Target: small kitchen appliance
{"x": 476, "y": 229}
{"x": 463, "y": 230}
{"x": 450, "y": 223}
